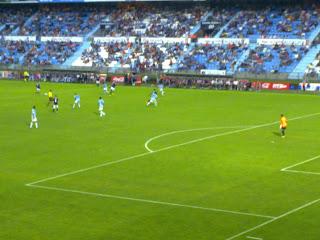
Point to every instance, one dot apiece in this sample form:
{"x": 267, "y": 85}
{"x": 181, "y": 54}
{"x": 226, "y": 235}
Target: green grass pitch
{"x": 213, "y": 171}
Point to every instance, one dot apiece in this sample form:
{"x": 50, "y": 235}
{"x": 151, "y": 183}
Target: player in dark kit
{"x": 55, "y": 106}
{"x": 38, "y": 88}
{"x": 112, "y": 88}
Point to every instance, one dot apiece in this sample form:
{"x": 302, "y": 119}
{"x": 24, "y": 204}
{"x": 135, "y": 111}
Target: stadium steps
{"x": 314, "y": 33}
{"x": 29, "y": 20}
{"x": 96, "y": 28}
{"x": 225, "y": 26}
{"x": 15, "y": 31}
{"x": 243, "y": 57}
{"x": 77, "y": 54}
{"x": 196, "y": 28}
{"x": 299, "y": 70}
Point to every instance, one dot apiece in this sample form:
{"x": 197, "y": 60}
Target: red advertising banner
{"x": 138, "y": 80}
{"x": 271, "y": 86}
{"x": 117, "y": 79}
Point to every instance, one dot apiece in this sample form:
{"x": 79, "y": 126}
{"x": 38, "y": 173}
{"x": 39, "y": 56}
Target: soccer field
{"x": 203, "y": 165}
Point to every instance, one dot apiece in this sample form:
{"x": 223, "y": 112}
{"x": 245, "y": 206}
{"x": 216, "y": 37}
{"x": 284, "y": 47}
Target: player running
{"x": 112, "y": 88}
{"x": 50, "y": 97}
{"x": 161, "y": 88}
{"x": 76, "y": 100}
{"x": 283, "y": 125}
{"x": 55, "y": 106}
{"x": 34, "y": 117}
{"x": 153, "y": 98}
{"x": 38, "y": 88}
{"x": 101, "y": 106}
{"x": 105, "y": 88}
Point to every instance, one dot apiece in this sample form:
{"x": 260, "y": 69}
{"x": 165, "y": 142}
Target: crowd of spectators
{"x": 276, "y": 58}
{"x": 274, "y": 23}
{"x": 64, "y": 21}
{"x": 13, "y": 17}
{"x": 49, "y": 53}
{"x": 213, "y": 57}
{"x": 135, "y": 56}
{"x": 11, "y": 52}
{"x": 217, "y": 83}
{"x": 106, "y": 54}
{"x": 151, "y": 21}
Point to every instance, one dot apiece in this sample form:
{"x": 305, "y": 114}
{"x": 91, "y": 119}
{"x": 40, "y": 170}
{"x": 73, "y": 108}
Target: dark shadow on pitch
{"x": 277, "y": 134}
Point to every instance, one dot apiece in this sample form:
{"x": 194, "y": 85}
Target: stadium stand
{"x": 11, "y": 52}
{"x": 146, "y": 37}
{"x": 147, "y": 20}
{"x": 11, "y": 18}
{"x": 277, "y": 58}
{"x": 49, "y": 53}
{"x": 273, "y": 23}
{"x": 134, "y": 56}
{"x": 63, "y": 21}
{"x": 213, "y": 57}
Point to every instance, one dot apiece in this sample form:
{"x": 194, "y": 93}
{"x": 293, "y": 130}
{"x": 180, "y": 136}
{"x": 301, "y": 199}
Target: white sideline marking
{"x": 274, "y": 219}
{"x": 166, "y": 148}
{"x": 300, "y": 163}
{"x": 89, "y": 168}
{"x": 146, "y": 145}
{"x": 249, "y": 237}
{"x": 151, "y": 201}
{"x": 303, "y": 172}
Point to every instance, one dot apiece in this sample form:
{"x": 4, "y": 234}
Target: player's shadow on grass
{"x": 277, "y": 134}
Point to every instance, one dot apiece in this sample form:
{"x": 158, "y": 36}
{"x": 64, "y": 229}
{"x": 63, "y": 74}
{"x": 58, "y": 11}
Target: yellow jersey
{"x": 50, "y": 95}
{"x": 283, "y": 122}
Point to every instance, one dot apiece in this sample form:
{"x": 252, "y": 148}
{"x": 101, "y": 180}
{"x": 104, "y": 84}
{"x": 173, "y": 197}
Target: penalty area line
{"x": 274, "y": 219}
{"x": 151, "y": 201}
{"x": 146, "y": 145}
{"x": 167, "y": 148}
{"x": 255, "y": 238}
{"x": 300, "y": 163}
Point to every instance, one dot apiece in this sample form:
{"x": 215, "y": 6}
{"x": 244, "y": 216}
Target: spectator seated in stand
{"x": 148, "y": 20}
{"x": 64, "y": 21}
{"x": 276, "y": 58}
{"x": 274, "y": 23}
{"x": 138, "y": 57}
{"x": 11, "y": 52}
{"x": 13, "y": 17}
{"x": 50, "y": 53}
{"x": 213, "y": 57}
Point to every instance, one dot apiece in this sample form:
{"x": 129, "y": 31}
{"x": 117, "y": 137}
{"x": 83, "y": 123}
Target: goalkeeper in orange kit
{"x": 283, "y": 125}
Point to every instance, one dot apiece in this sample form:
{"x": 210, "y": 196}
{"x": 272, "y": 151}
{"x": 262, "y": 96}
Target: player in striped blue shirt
{"x": 101, "y": 106}
{"x": 153, "y": 98}
{"x": 76, "y": 100}
{"x": 105, "y": 88}
{"x": 34, "y": 117}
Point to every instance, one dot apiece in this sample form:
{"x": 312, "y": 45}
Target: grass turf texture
{"x": 236, "y": 172}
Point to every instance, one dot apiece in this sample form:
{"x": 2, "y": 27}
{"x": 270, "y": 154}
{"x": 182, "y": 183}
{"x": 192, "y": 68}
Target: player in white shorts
{"x": 76, "y": 100}
{"x": 55, "y": 106}
{"x": 153, "y": 98}
{"x": 34, "y": 117}
{"x": 101, "y": 106}
{"x": 112, "y": 88}
{"x": 161, "y": 88}
{"x": 105, "y": 88}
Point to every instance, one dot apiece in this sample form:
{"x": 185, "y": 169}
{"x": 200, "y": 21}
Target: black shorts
{"x": 50, "y": 99}
{"x": 283, "y": 128}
